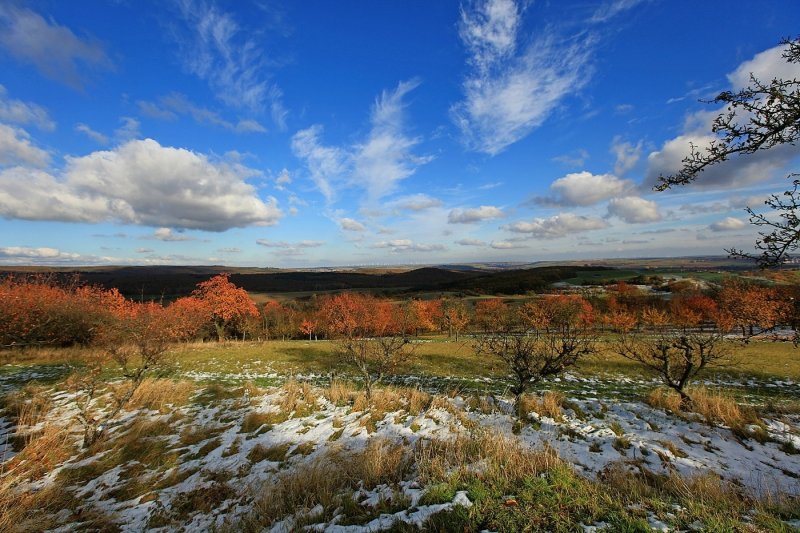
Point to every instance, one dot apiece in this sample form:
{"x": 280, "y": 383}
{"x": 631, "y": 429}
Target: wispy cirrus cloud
{"x": 94, "y": 135}
{"x": 609, "y": 10}
{"x": 170, "y": 106}
{"x": 55, "y": 51}
{"x": 24, "y": 113}
{"x": 217, "y": 50}
{"x": 407, "y": 245}
{"x": 267, "y": 243}
{"x": 377, "y": 164}
{"x": 516, "y": 80}
{"x": 325, "y": 164}
{"x": 512, "y": 89}
{"x": 385, "y": 157}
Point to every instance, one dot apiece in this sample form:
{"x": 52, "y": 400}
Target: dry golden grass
{"x": 481, "y": 403}
{"x": 340, "y": 392}
{"x": 44, "y": 451}
{"x": 713, "y": 406}
{"x": 157, "y": 394}
{"x": 325, "y": 480}
{"x": 662, "y": 398}
{"x": 418, "y": 401}
{"x": 360, "y": 403}
{"x": 381, "y": 461}
{"x": 27, "y": 511}
{"x": 255, "y": 419}
{"x": 548, "y": 404}
{"x": 719, "y": 407}
{"x": 194, "y": 435}
{"x": 298, "y": 399}
{"x": 260, "y": 452}
{"x": 501, "y": 458}
{"x": 387, "y": 399}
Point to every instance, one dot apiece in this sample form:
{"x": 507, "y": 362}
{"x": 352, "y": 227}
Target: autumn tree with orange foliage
{"x": 753, "y": 308}
{"x": 491, "y": 315}
{"x": 455, "y": 316}
{"x": 39, "y": 310}
{"x": 190, "y": 316}
{"x": 279, "y": 320}
{"x": 230, "y": 305}
{"x": 308, "y": 327}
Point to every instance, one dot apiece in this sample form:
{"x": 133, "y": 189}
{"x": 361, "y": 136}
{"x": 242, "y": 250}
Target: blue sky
{"x": 293, "y": 134}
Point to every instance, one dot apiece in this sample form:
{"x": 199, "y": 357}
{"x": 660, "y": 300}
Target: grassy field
{"x": 757, "y": 372}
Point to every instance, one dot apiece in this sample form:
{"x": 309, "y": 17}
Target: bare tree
{"x": 761, "y": 116}
{"x": 134, "y": 341}
{"x": 375, "y": 357}
{"x": 555, "y": 340}
{"x": 533, "y": 358}
{"x": 675, "y": 355}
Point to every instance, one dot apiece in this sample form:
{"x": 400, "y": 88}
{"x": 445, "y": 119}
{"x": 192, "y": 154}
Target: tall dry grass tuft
{"x": 662, "y": 398}
{"x": 27, "y": 510}
{"x": 719, "y": 407}
{"x": 713, "y": 406}
{"x": 502, "y": 460}
{"x": 291, "y": 394}
{"x": 27, "y": 406}
{"x": 340, "y": 392}
{"x": 382, "y": 461}
{"x": 325, "y": 481}
{"x": 387, "y": 399}
{"x": 156, "y": 394}
{"x": 549, "y": 404}
{"x": 45, "y": 450}
{"x": 418, "y": 401}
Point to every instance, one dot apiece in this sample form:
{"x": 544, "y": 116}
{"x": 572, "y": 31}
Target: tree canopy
{"x": 763, "y": 115}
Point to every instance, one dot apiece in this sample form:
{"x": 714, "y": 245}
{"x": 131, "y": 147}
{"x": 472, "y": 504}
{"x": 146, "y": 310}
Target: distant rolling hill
{"x": 175, "y": 281}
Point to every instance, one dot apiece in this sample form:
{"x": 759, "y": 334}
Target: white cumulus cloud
{"x": 634, "y": 210}
{"x": 471, "y": 242}
{"x": 349, "y": 224}
{"x": 585, "y": 188}
{"x": 557, "y": 226}
{"x": 16, "y": 148}
{"x": 140, "y": 182}
{"x": 728, "y": 224}
{"x": 475, "y": 214}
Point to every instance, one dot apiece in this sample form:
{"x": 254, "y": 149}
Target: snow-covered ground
{"x": 593, "y": 434}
